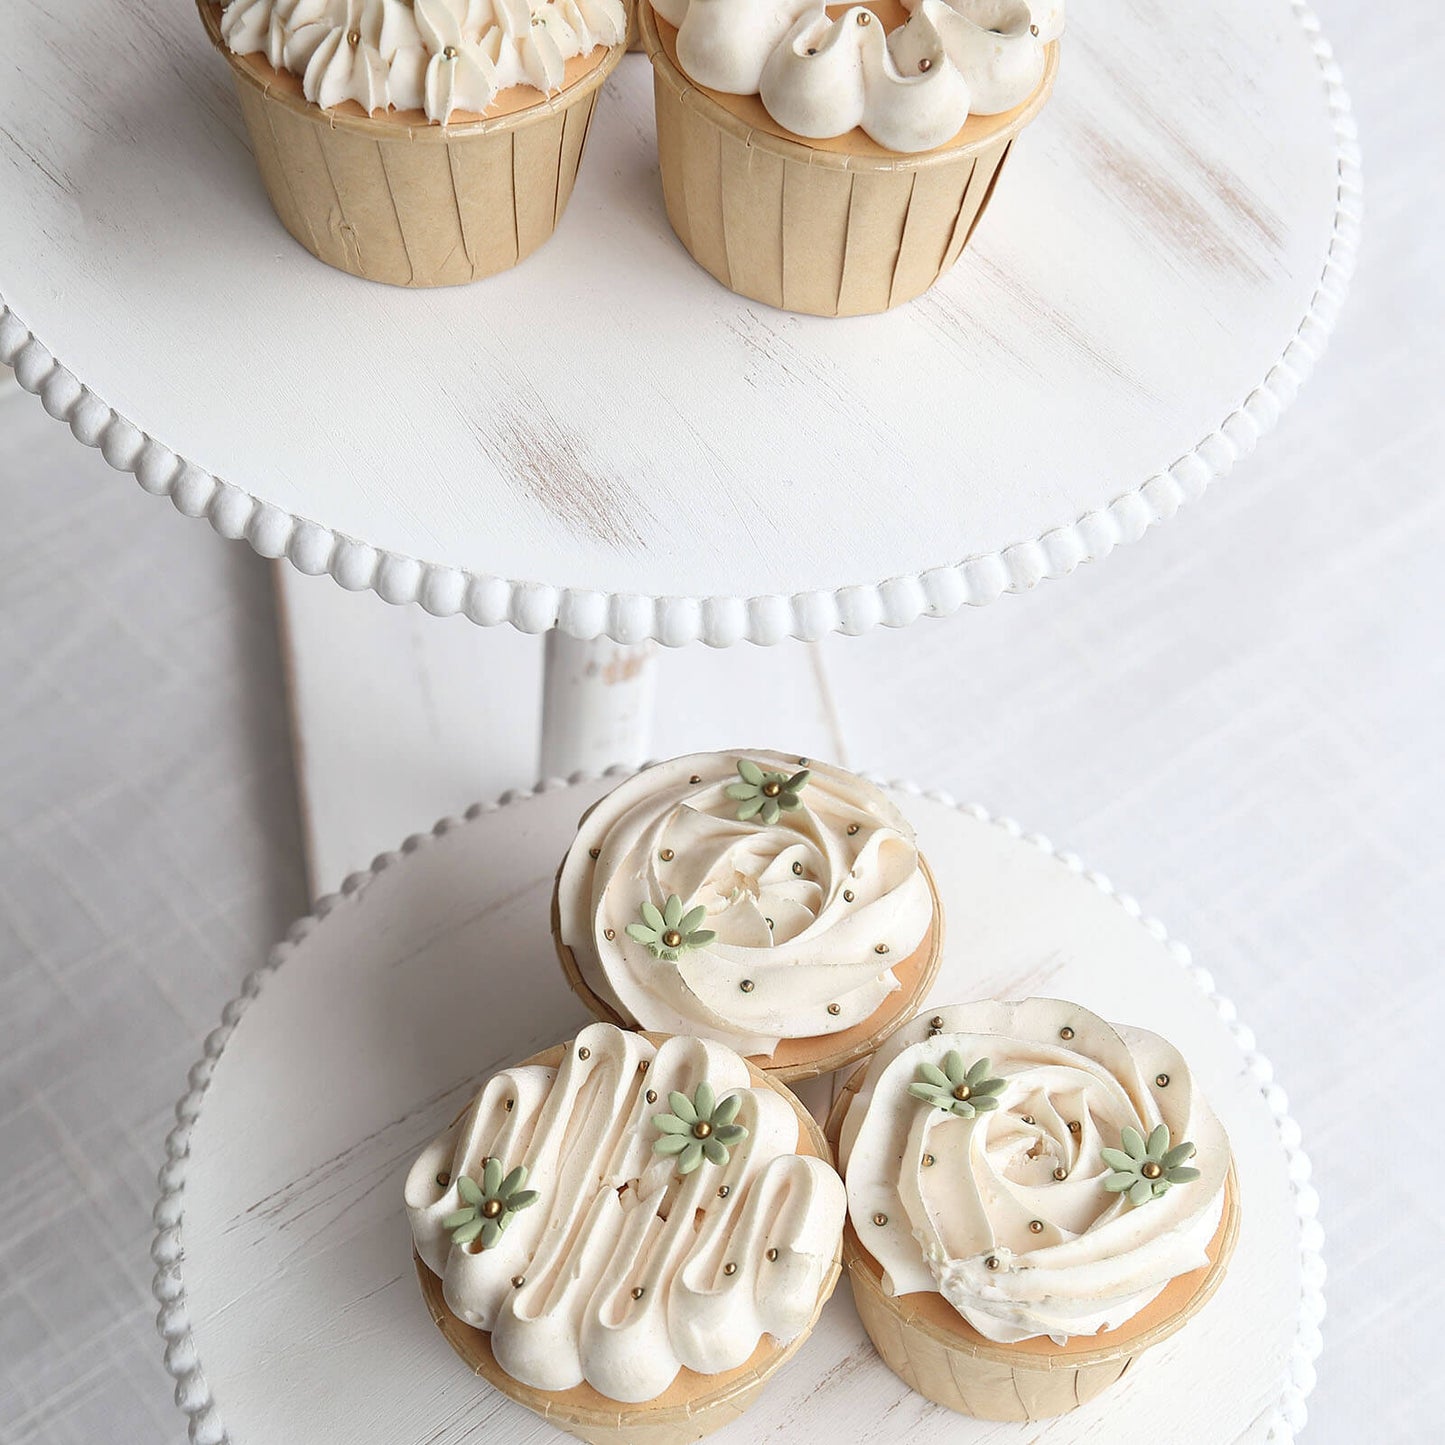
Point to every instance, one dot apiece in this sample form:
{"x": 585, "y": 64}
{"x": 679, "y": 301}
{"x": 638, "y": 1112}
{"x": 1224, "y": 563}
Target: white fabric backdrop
{"x": 1239, "y": 719}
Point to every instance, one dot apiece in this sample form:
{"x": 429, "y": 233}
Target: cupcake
{"x": 628, "y": 1234}
{"x": 838, "y": 163}
{"x": 418, "y": 142}
{"x": 1035, "y": 1197}
{"x": 774, "y": 904}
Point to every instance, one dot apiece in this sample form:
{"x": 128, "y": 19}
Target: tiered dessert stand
{"x": 607, "y": 447}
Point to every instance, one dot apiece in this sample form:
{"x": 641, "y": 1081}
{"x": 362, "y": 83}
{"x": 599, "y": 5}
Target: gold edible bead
{"x": 510, "y": 1105}
{"x": 354, "y": 38}
{"x": 584, "y": 1054}
{"x": 443, "y": 1179}
{"x": 450, "y": 52}
{"x": 835, "y": 1009}
{"x": 881, "y": 948}
{"x": 1061, "y": 1173}
{"x": 1036, "y": 1226}
{"x": 667, "y": 855}
{"x": 651, "y": 1096}
{"x": 609, "y": 934}
{"x": 491, "y": 1209}
{"x": 702, "y": 1129}
{"x": 518, "y": 1280}
{"x": 1028, "y": 1118}
{"x": 730, "y": 1269}
{"x": 847, "y": 895}
{"x": 936, "y": 1022}
{"x": 1033, "y": 29}
{"x": 852, "y": 828}
{"x": 772, "y": 788}
{"x": 724, "y": 1190}
{"x": 672, "y": 939}
{"x": 880, "y": 1220}
{"x": 797, "y": 870}
{"x": 929, "y": 1161}
{"x": 1075, "y": 1127}
{"x": 864, "y": 18}
{"x": 1066, "y": 1033}
{"x": 962, "y": 1092}
{"x": 594, "y": 852}
{"x": 993, "y": 1262}
{"x": 638, "y": 1292}
{"x": 772, "y": 1254}
{"x": 1162, "y": 1080}
{"x": 925, "y": 64}
{"x": 747, "y": 985}
{"x": 694, "y": 779}
{"x": 1150, "y": 1170}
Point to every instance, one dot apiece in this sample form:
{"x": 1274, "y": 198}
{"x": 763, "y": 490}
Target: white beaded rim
{"x": 1286, "y": 1418}
{"x": 722, "y": 621}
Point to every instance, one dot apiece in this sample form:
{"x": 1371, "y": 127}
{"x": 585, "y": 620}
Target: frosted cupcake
{"x": 837, "y": 163}
{"x": 629, "y": 1235}
{"x": 418, "y": 142}
{"x": 775, "y": 904}
{"x": 1035, "y": 1197}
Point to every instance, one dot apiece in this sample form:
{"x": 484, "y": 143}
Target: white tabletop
{"x": 605, "y": 438}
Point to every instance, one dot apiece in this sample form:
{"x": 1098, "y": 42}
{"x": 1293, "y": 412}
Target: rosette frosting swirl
{"x": 1015, "y": 1214}
{"x": 437, "y": 56}
{"x": 787, "y": 929}
{"x": 910, "y": 90}
{"x": 623, "y": 1269}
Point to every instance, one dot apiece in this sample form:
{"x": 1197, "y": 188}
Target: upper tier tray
{"x": 608, "y": 441}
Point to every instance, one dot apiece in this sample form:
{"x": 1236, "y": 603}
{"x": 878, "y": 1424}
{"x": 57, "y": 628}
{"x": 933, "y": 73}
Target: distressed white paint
{"x": 597, "y": 699}
{"x": 604, "y": 438}
{"x": 284, "y": 1257}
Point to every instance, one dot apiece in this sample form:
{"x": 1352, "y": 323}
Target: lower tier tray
{"x": 289, "y": 1304}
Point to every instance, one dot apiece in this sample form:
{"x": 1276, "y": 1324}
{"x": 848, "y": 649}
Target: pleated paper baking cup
{"x": 694, "y": 1405}
{"x": 394, "y": 198}
{"x": 830, "y": 228}
{"x": 929, "y": 1346}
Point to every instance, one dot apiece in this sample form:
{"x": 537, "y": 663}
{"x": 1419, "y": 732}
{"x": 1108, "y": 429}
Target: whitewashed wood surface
{"x": 285, "y": 1268}
{"x": 606, "y": 439}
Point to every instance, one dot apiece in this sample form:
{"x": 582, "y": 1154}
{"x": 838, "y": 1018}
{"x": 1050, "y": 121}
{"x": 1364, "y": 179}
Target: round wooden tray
{"x": 284, "y": 1257}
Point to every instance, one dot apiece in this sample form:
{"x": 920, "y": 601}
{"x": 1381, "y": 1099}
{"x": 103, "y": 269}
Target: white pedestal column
{"x": 597, "y": 700}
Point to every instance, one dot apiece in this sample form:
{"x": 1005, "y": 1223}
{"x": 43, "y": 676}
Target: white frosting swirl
{"x": 910, "y": 91}
{"x": 438, "y": 56}
{"x": 810, "y": 911}
{"x": 615, "y": 1218}
{"x": 1097, "y": 1260}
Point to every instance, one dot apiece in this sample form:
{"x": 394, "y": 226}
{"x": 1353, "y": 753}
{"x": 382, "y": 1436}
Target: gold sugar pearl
{"x": 1036, "y": 1226}
{"x": 1033, "y": 30}
{"x": 609, "y": 934}
{"x": 880, "y": 1220}
{"x": 450, "y": 52}
{"x": 835, "y": 1009}
{"x": 993, "y": 1262}
{"x": 638, "y": 1292}
{"x": 651, "y": 1096}
{"x": 667, "y": 855}
{"x": 724, "y": 1190}
{"x": 694, "y": 779}
{"x": 847, "y": 895}
{"x": 1061, "y": 1173}
{"x": 443, "y": 1179}
{"x": 747, "y": 985}
{"x": 1162, "y": 1080}
{"x": 852, "y": 828}
{"x": 594, "y": 852}
{"x": 354, "y": 38}
{"x": 936, "y": 1022}
{"x": 1028, "y": 1118}
{"x": 584, "y": 1054}
{"x": 925, "y": 64}
{"x": 864, "y": 18}
{"x": 510, "y": 1105}
{"x": 929, "y": 1161}
{"x": 730, "y": 1268}
{"x": 518, "y": 1280}
{"x": 772, "y": 1254}
{"x": 1075, "y": 1127}
{"x": 1066, "y": 1033}
{"x": 881, "y": 948}
{"x": 797, "y": 870}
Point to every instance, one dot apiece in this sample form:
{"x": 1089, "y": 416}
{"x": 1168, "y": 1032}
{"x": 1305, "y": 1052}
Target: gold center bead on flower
{"x": 1146, "y": 1169}
{"x": 488, "y": 1205}
{"x": 772, "y": 788}
{"x": 955, "y": 1087}
{"x": 765, "y": 795}
{"x": 670, "y": 931}
{"x": 699, "y": 1128}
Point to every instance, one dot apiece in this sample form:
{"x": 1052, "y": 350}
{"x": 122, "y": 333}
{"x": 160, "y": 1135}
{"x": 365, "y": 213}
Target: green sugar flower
{"x": 956, "y": 1089}
{"x": 490, "y": 1205}
{"x": 1147, "y": 1168}
{"x": 669, "y": 932}
{"x": 699, "y": 1127}
{"x": 768, "y": 794}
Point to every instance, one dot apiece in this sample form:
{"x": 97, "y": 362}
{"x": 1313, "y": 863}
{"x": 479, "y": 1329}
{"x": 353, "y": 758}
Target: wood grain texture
{"x": 284, "y": 1258}
{"x": 1173, "y": 241}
